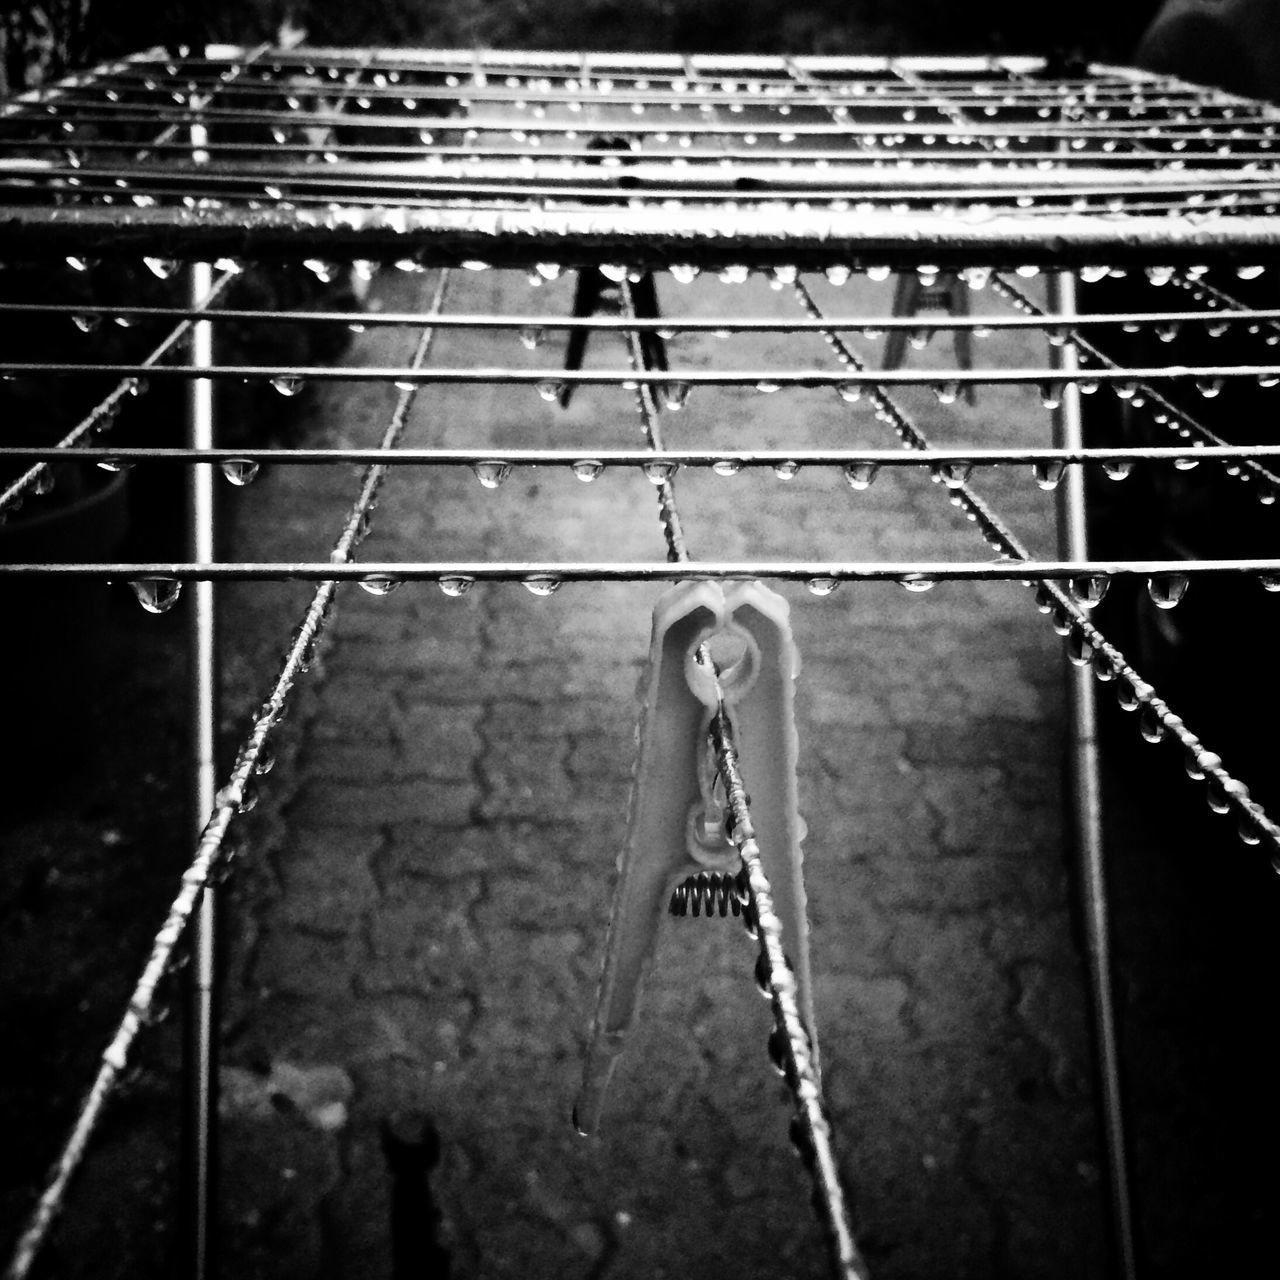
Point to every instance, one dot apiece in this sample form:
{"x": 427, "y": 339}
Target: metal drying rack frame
{"x": 627, "y": 165}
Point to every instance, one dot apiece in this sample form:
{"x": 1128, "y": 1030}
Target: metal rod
{"x": 201, "y": 1057}
{"x": 129, "y": 455}
{"x": 1084, "y": 775}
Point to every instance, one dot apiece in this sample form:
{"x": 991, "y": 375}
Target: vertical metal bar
{"x": 1084, "y": 781}
{"x": 200, "y": 1078}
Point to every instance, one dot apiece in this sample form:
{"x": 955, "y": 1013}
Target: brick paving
{"x": 423, "y": 924}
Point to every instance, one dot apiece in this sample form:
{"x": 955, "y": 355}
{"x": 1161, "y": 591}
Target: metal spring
{"x": 709, "y": 893}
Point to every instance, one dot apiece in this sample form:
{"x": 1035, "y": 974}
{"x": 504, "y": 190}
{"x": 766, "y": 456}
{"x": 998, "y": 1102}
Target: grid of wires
{"x": 953, "y": 176}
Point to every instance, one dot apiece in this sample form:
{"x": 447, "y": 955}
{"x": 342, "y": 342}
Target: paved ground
{"x": 442, "y": 867}
{"x": 420, "y": 926}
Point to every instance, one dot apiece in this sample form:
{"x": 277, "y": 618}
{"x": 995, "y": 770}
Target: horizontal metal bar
{"x": 699, "y": 458}
{"x": 915, "y": 572}
{"x": 764, "y": 379}
{"x": 669, "y": 325}
{"x": 644, "y": 236}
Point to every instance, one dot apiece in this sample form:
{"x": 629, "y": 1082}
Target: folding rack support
{"x": 201, "y": 1073}
{"x": 1084, "y": 787}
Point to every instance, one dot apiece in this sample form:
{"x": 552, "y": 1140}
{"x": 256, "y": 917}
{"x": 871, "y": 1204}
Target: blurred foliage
{"x": 757, "y": 26}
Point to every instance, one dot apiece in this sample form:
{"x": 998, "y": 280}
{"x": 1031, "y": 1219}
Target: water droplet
{"x": 113, "y": 464}
{"x": 947, "y": 392}
{"x": 1209, "y": 387}
{"x": 1118, "y": 468}
{"x": 1198, "y": 763}
{"x": 1269, "y": 581}
{"x": 861, "y": 475}
{"x": 1216, "y": 328}
{"x": 1149, "y": 724}
{"x": 976, "y": 277}
{"x": 325, "y": 272}
{"x": 551, "y": 391}
{"x": 683, "y": 273}
{"x": 917, "y": 582}
{"x": 1051, "y": 395}
{"x": 1088, "y": 591}
{"x": 787, "y": 470}
{"x": 675, "y": 395}
{"x": 491, "y": 472}
{"x": 726, "y": 466}
{"x": 380, "y": 584}
{"x": 474, "y": 264}
{"x": 660, "y": 472}
{"x": 239, "y": 471}
{"x": 587, "y": 469}
{"x": 838, "y": 274}
{"x": 1079, "y": 647}
{"x": 161, "y": 268}
{"x": 1104, "y": 669}
{"x": 531, "y": 337}
{"x": 879, "y": 273}
{"x": 920, "y": 338}
{"x": 156, "y": 595}
{"x": 1048, "y": 475}
{"x": 1088, "y": 386}
{"x": 1167, "y": 589}
{"x": 456, "y": 585}
{"x": 78, "y": 264}
{"x": 549, "y": 270}
{"x": 850, "y": 392}
{"x": 1249, "y": 273}
{"x": 1126, "y": 694}
{"x": 614, "y": 271}
{"x": 955, "y": 475}
{"x": 288, "y": 384}
{"x": 822, "y": 586}
{"x": 1168, "y": 332}
{"x": 86, "y": 323}
{"x": 541, "y": 584}
{"x": 767, "y": 388}
{"x": 1125, "y": 390}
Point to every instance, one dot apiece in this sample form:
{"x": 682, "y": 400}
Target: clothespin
{"x": 589, "y": 292}
{"x": 676, "y": 849}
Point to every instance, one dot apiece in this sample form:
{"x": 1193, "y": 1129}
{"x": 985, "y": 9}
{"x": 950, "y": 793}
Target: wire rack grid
{"x": 1117, "y": 231}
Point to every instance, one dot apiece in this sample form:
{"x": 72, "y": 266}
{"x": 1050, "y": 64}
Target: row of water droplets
{"x": 1161, "y": 411}
{"x": 1069, "y": 612}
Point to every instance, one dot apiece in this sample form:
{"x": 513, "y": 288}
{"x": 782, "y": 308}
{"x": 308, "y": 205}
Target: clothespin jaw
{"x": 675, "y": 825}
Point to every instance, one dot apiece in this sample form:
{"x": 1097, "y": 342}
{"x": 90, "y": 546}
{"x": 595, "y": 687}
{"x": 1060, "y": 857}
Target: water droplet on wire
{"x": 787, "y": 470}
{"x": 861, "y": 475}
{"x": 161, "y": 268}
{"x": 491, "y": 472}
{"x": 917, "y": 582}
{"x": 821, "y": 586}
{"x": 1167, "y": 589}
{"x": 1089, "y": 591}
{"x": 456, "y": 585}
{"x": 156, "y": 595}
{"x": 1118, "y": 468}
{"x": 541, "y": 584}
{"x": 288, "y": 384}
{"x": 1048, "y": 475}
{"x": 380, "y": 584}
{"x": 675, "y": 395}
{"x": 726, "y": 466}
{"x": 659, "y": 472}
{"x": 587, "y": 469}
{"x": 551, "y": 391}
{"x": 239, "y": 471}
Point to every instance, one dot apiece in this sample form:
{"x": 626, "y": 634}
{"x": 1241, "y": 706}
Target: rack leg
{"x": 200, "y": 1061}
{"x": 1085, "y": 788}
